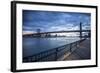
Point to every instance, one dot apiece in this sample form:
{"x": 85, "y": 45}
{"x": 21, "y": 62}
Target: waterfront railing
{"x": 53, "y": 54}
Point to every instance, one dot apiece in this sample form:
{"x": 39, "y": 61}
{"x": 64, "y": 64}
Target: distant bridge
{"x": 69, "y": 31}
{"x": 39, "y": 34}
{"x": 62, "y": 31}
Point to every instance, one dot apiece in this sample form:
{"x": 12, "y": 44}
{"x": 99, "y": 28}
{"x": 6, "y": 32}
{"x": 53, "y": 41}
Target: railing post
{"x": 76, "y": 44}
{"x": 35, "y": 58}
{"x": 56, "y": 57}
{"x": 71, "y": 47}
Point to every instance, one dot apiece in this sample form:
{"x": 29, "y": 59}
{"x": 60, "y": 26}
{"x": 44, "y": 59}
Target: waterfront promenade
{"x": 83, "y": 51}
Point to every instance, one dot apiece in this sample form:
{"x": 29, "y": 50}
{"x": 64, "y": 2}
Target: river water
{"x": 32, "y": 46}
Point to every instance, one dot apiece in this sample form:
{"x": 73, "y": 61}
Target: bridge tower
{"x": 80, "y": 30}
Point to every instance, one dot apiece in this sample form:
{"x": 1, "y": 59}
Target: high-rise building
{"x": 38, "y": 30}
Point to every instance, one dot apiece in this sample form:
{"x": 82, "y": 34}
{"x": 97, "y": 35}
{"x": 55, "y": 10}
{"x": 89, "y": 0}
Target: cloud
{"x": 70, "y": 25}
{"x": 86, "y": 28}
{"x": 64, "y": 15}
{"x": 57, "y": 28}
{"x": 27, "y": 28}
{"x": 28, "y": 32}
{"x": 54, "y": 21}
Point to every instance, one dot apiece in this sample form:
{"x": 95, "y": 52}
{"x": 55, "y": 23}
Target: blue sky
{"x": 54, "y": 21}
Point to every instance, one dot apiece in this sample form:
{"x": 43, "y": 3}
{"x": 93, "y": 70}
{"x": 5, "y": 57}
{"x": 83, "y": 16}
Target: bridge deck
{"x": 69, "y": 31}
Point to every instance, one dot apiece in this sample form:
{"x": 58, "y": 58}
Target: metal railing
{"x": 53, "y": 54}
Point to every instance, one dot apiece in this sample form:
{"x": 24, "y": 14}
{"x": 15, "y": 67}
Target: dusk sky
{"x": 54, "y": 21}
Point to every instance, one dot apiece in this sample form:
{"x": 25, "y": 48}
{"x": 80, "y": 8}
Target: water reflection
{"x": 35, "y": 45}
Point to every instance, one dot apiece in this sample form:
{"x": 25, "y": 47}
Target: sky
{"x": 48, "y": 21}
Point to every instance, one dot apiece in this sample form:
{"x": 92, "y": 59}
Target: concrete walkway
{"x": 82, "y": 52}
